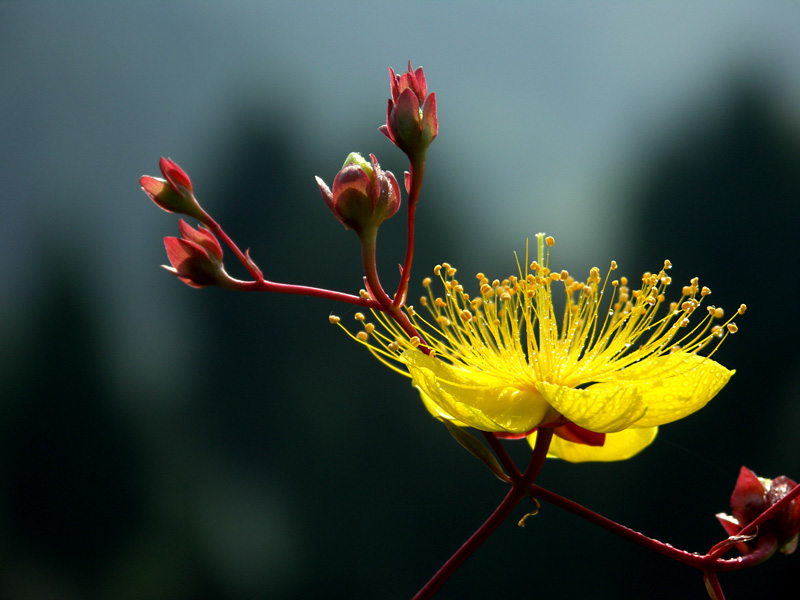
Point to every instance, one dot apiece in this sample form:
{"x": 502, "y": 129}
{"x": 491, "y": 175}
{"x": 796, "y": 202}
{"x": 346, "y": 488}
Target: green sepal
{"x": 478, "y": 450}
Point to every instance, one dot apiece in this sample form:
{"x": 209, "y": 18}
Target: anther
{"x": 369, "y": 327}
{"x": 732, "y": 328}
{"x": 444, "y": 321}
{"x": 363, "y": 336}
{"x": 414, "y": 341}
{"x": 667, "y": 264}
{"x": 364, "y": 294}
{"x": 613, "y": 265}
{"x": 333, "y": 319}
{"x": 360, "y": 316}
{"x": 719, "y": 313}
{"x": 705, "y": 291}
{"x": 426, "y": 282}
{"x": 550, "y": 241}
{"x": 437, "y": 269}
{"x": 466, "y": 316}
{"x": 742, "y": 308}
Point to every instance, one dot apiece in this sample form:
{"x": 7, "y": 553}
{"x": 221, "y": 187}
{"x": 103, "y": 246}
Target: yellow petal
{"x": 602, "y": 408}
{"x": 618, "y": 446}
{"x": 474, "y": 398}
{"x": 437, "y": 412}
{"x": 674, "y": 385}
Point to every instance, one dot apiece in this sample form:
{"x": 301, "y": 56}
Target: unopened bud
{"x": 174, "y": 192}
{"x": 363, "y": 195}
{"x": 196, "y": 257}
{"x": 411, "y": 121}
{"x": 751, "y": 497}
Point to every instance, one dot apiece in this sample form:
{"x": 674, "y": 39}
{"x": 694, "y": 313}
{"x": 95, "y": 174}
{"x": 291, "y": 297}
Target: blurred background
{"x": 158, "y": 441}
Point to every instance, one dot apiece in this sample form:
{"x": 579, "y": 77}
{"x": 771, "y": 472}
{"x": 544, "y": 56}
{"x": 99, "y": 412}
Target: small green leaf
{"x": 478, "y": 450}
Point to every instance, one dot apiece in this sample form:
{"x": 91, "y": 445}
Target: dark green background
{"x": 162, "y": 442}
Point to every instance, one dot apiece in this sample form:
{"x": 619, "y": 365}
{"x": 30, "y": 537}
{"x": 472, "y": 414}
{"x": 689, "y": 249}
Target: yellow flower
{"x": 605, "y": 374}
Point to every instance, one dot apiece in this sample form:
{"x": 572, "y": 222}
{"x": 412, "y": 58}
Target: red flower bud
{"x": 411, "y": 121}
{"x": 174, "y": 193}
{"x": 751, "y": 497}
{"x": 363, "y": 196}
{"x": 196, "y": 257}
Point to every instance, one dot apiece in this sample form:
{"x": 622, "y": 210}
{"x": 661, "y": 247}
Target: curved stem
{"x": 765, "y": 547}
{"x": 696, "y": 560}
{"x": 369, "y": 239}
{"x": 214, "y": 227}
{"x": 416, "y": 172}
{"x": 303, "y": 290}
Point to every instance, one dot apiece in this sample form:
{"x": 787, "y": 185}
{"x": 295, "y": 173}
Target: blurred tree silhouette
{"x": 301, "y": 469}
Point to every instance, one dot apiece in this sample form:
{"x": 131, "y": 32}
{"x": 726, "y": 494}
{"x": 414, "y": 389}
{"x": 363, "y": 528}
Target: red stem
{"x": 262, "y": 285}
{"x": 214, "y": 227}
{"x": 713, "y": 586}
{"x": 285, "y": 288}
{"x": 416, "y": 171}
{"x": 696, "y": 560}
{"x": 368, "y": 241}
{"x": 517, "y": 492}
{"x": 501, "y": 453}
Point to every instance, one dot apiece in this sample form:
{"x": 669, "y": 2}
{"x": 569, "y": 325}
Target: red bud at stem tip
{"x": 196, "y": 257}
{"x": 174, "y": 192}
{"x": 411, "y": 120}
